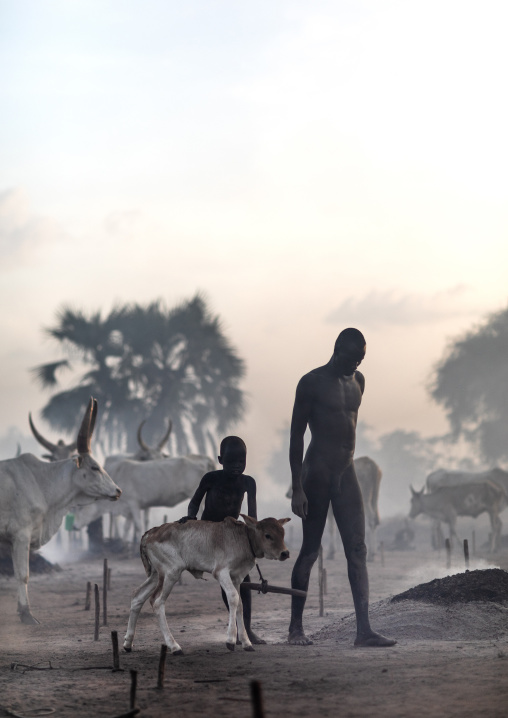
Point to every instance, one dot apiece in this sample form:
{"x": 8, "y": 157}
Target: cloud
{"x": 394, "y": 308}
{"x": 22, "y": 234}
{"x": 124, "y": 223}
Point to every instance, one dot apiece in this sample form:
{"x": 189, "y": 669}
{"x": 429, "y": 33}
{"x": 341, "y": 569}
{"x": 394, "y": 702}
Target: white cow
{"x": 35, "y": 496}
{"x": 144, "y": 453}
{"x": 227, "y": 549}
{"x": 58, "y": 451}
{"x": 163, "y": 482}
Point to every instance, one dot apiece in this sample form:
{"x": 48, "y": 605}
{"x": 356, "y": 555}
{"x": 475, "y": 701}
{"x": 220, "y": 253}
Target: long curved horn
{"x": 144, "y": 446}
{"x": 93, "y": 418}
{"x": 165, "y": 437}
{"x": 44, "y": 442}
{"x": 83, "y": 442}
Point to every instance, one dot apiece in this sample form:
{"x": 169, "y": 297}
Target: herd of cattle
{"x": 35, "y": 495}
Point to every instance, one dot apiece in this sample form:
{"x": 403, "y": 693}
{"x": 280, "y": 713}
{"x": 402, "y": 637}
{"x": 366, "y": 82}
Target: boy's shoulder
{"x": 249, "y": 480}
{"x": 212, "y": 475}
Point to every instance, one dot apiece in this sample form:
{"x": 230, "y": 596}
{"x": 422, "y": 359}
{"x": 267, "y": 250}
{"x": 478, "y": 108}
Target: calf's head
{"x": 267, "y": 537}
{"x": 89, "y": 476}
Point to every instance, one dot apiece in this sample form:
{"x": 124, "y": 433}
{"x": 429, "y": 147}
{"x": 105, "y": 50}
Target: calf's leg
{"x": 231, "y": 589}
{"x": 144, "y": 591}
{"x": 159, "y": 606}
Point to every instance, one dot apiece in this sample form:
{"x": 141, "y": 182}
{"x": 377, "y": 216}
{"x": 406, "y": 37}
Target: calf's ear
{"x": 249, "y": 520}
{"x": 283, "y": 521}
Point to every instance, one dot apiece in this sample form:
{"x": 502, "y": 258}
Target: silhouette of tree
{"x": 146, "y": 362}
{"x": 471, "y": 383}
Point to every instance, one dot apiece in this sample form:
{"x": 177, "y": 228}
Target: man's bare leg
{"x": 313, "y": 527}
{"x": 348, "y": 510}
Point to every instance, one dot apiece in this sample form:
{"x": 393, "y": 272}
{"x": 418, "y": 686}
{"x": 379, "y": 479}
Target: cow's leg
{"x": 135, "y": 515}
{"x": 140, "y": 596}
{"x": 496, "y": 525}
{"x": 370, "y": 540}
{"x": 20, "y": 561}
{"x": 332, "y": 534}
{"x": 452, "y": 523}
{"x": 146, "y": 519}
{"x": 159, "y": 607}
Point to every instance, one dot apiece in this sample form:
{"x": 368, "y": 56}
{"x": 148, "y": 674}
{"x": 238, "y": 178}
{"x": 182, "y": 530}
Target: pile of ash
{"x": 38, "y": 564}
{"x": 489, "y": 584}
{"x": 467, "y": 606}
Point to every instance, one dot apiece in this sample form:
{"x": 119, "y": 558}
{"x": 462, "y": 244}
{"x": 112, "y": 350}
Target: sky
{"x": 306, "y": 165}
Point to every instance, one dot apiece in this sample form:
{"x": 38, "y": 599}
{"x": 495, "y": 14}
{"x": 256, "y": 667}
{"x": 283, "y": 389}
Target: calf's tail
{"x": 144, "y": 557}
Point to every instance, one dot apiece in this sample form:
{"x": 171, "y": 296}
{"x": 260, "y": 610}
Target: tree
{"x": 471, "y": 383}
{"x": 146, "y": 362}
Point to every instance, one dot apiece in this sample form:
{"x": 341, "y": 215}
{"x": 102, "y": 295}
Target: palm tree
{"x": 147, "y": 362}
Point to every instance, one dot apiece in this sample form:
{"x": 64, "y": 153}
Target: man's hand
{"x": 184, "y": 519}
{"x": 299, "y": 503}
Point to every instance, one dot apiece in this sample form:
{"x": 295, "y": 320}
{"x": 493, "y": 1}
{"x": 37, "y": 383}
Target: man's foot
{"x": 253, "y": 638}
{"x": 374, "y": 640}
{"x": 298, "y": 638}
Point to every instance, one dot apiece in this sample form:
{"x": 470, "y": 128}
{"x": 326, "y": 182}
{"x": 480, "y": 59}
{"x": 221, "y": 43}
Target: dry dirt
{"x": 450, "y": 660}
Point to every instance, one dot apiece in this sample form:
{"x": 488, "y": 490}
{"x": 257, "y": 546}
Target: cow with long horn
{"x": 58, "y": 451}
{"x": 147, "y": 453}
{"x": 35, "y": 496}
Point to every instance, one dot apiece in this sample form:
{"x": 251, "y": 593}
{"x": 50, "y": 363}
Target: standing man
{"x": 327, "y": 400}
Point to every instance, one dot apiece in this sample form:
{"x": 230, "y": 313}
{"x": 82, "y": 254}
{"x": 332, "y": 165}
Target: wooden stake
{"x": 165, "y": 519}
{"x": 466, "y": 554}
{"x": 105, "y": 593}
{"x": 97, "y": 612}
{"x": 325, "y": 582}
{"x": 320, "y": 581}
{"x": 116, "y": 657}
{"x": 474, "y": 543}
{"x": 448, "y": 553}
{"x": 109, "y": 579}
{"x": 134, "y": 685}
{"x": 162, "y": 667}
{"x": 257, "y": 699}
{"x": 88, "y": 597}
{"x": 382, "y": 552}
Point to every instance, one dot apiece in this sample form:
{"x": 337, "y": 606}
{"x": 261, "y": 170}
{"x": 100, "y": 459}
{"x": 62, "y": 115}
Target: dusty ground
{"x": 450, "y": 660}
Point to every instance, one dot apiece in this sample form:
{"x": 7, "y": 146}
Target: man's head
{"x": 349, "y": 351}
{"x": 233, "y": 455}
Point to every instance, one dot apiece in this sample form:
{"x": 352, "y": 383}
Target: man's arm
{"x": 299, "y": 421}
{"x": 250, "y": 487}
{"x": 360, "y": 379}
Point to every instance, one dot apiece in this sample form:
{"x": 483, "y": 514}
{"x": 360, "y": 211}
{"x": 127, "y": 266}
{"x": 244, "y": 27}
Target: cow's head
{"x": 267, "y": 537}
{"x": 58, "y": 451}
{"x": 151, "y": 453}
{"x": 89, "y": 476}
{"x": 416, "y": 503}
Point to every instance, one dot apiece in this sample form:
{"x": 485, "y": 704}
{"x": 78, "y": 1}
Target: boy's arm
{"x": 194, "y": 504}
{"x": 251, "y": 497}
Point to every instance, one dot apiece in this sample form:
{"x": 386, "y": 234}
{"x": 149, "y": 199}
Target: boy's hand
{"x": 184, "y": 519}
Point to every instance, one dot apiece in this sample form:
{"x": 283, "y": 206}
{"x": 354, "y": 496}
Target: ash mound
{"x": 483, "y": 585}
{"x": 470, "y": 606}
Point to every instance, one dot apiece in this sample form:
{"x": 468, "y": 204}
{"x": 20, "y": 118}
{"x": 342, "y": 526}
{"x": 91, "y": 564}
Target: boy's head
{"x": 233, "y": 455}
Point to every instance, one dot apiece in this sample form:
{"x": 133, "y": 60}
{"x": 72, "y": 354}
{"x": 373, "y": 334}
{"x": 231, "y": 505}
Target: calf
{"x": 227, "y": 549}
